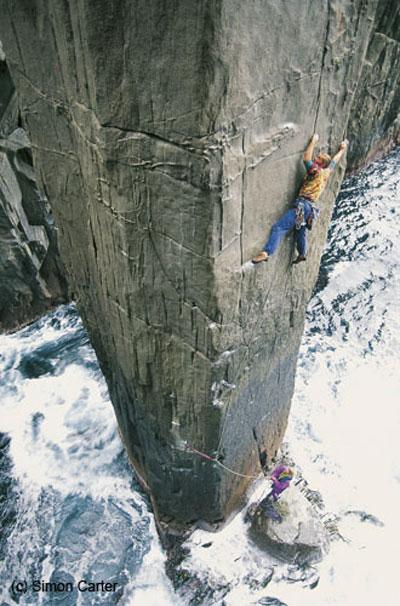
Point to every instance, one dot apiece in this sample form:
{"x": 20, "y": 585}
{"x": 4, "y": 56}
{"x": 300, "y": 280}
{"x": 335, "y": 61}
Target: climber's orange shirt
{"x": 315, "y": 181}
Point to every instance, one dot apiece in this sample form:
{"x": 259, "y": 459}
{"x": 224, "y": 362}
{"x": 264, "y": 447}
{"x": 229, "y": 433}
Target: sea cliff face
{"x": 168, "y": 137}
{"x": 374, "y": 124}
{"x": 32, "y": 277}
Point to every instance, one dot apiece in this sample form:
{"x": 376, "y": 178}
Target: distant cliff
{"x": 168, "y": 137}
{"x": 374, "y": 121}
{"x": 32, "y": 277}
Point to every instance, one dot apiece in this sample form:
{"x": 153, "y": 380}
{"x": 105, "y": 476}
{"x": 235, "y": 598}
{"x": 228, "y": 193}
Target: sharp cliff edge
{"x": 168, "y": 137}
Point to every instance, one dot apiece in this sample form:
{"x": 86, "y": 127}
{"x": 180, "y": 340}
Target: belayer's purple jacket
{"x": 279, "y": 485}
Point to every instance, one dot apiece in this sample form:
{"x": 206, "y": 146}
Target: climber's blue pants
{"x": 284, "y": 225}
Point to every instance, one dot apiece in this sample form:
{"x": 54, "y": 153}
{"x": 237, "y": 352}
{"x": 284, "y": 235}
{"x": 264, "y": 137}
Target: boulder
{"x": 299, "y": 537}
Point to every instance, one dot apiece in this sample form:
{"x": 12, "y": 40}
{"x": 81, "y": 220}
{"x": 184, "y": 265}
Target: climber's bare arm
{"x": 308, "y": 152}
{"x": 338, "y": 156}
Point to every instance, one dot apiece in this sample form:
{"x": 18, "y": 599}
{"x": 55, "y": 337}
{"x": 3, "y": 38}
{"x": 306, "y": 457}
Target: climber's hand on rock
{"x": 308, "y": 153}
{"x": 344, "y": 144}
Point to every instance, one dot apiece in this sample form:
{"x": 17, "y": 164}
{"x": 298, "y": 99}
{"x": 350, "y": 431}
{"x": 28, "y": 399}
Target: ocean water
{"x": 70, "y": 508}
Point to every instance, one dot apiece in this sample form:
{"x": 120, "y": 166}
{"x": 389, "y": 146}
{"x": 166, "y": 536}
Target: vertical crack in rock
{"x": 242, "y": 199}
{"x": 322, "y": 71}
{"x": 169, "y": 141}
{"x": 262, "y": 455}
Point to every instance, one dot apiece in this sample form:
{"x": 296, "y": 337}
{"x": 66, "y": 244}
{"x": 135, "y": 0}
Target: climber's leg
{"x": 278, "y": 231}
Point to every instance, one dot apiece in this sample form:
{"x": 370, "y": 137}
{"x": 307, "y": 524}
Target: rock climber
{"x": 302, "y": 214}
{"x": 281, "y": 478}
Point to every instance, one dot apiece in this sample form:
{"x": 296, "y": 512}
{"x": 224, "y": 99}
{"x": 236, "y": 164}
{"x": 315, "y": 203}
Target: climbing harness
{"x": 299, "y": 210}
{"x": 300, "y": 214}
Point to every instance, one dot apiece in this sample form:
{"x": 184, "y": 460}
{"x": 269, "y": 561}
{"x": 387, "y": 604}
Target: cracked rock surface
{"x": 169, "y": 138}
{"x": 31, "y": 273}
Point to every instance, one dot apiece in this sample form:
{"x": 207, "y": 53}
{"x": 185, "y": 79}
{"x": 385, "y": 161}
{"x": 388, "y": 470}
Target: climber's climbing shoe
{"x": 262, "y": 256}
{"x": 299, "y": 259}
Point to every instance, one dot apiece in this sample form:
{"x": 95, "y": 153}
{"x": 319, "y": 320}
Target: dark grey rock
{"x": 31, "y": 274}
{"x": 260, "y": 581}
{"x": 299, "y": 537}
{"x": 269, "y": 601}
{"x": 8, "y": 98}
{"x": 363, "y": 516}
{"x": 306, "y": 574}
{"x": 8, "y": 494}
{"x": 374, "y": 125}
{"x": 168, "y": 141}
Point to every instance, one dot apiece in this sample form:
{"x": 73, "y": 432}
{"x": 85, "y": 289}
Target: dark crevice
{"x": 262, "y": 453}
{"x": 324, "y": 52}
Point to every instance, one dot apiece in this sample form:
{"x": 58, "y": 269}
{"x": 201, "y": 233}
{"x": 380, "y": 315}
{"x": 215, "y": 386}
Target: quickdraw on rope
{"x": 207, "y": 457}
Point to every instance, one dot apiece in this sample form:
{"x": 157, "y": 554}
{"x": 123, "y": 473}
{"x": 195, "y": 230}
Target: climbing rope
{"x": 207, "y": 457}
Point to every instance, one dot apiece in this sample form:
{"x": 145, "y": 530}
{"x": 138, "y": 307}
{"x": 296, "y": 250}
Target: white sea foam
{"x": 343, "y": 434}
{"x": 344, "y": 428}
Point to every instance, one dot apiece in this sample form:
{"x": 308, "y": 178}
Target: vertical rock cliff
{"x": 169, "y": 138}
{"x": 374, "y": 125}
{"x": 31, "y": 274}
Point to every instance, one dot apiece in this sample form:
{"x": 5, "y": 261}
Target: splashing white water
{"x": 345, "y": 417}
{"x": 76, "y": 503}
{"x": 68, "y": 460}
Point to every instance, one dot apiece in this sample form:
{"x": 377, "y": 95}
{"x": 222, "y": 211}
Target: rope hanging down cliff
{"x": 184, "y": 446}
